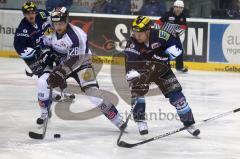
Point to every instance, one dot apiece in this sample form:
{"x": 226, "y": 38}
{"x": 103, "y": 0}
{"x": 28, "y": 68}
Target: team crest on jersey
{"x": 155, "y": 45}
{"x": 172, "y": 18}
{"x": 132, "y": 46}
{"x": 25, "y": 31}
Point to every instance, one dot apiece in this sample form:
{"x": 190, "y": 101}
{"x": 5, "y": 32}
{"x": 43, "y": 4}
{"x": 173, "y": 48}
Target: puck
{"x": 58, "y": 97}
{"x": 57, "y": 135}
{"x": 72, "y": 96}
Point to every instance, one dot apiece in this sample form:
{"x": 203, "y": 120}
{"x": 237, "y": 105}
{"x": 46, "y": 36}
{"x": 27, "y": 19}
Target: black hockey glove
{"x": 45, "y": 56}
{"x": 57, "y": 79}
{"x": 32, "y": 61}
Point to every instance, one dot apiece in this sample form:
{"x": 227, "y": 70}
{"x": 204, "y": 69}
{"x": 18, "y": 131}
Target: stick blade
{"x": 236, "y": 110}
{"x": 36, "y": 136}
{"x": 125, "y": 144}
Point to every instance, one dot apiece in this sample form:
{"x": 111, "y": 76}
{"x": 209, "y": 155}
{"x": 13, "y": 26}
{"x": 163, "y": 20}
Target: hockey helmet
{"x": 178, "y": 3}
{"x": 29, "y": 7}
{"x": 59, "y": 14}
{"x": 141, "y": 24}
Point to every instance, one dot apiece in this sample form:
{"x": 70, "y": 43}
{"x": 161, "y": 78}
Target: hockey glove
{"x": 134, "y": 78}
{"x": 57, "y": 79}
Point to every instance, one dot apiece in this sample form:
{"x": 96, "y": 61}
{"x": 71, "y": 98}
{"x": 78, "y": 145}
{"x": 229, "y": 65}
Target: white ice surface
{"x": 208, "y": 94}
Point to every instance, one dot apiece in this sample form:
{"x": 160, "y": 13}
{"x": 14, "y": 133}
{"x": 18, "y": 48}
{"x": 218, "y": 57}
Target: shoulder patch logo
{"x": 43, "y": 15}
{"x": 164, "y": 35}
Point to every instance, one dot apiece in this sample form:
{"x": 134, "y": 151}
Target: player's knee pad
{"x": 139, "y": 108}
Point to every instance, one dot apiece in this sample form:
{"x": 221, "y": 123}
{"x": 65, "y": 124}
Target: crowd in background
{"x": 226, "y": 9}
{"x": 148, "y": 7}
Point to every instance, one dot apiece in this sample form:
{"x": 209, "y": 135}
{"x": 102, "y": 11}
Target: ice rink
{"x": 208, "y": 93}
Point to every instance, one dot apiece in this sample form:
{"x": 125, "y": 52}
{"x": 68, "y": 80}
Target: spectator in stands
{"x": 50, "y": 4}
{"x": 175, "y": 22}
{"x": 101, "y": 6}
{"x": 228, "y": 10}
{"x": 233, "y": 10}
{"x": 153, "y": 8}
{"x": 120, "y": 7}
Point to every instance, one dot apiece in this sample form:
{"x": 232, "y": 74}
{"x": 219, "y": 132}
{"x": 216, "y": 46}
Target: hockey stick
{"x": 128, "y": 145}
{"x": 131, "y": 111}
{"x": 41, "y": 136}
{"x": 126, "y": 122}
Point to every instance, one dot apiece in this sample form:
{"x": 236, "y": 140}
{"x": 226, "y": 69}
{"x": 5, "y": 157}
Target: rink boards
{"x": 209, "y": 44}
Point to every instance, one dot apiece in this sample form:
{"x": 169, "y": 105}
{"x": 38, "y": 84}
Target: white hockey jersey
{"x": 72, "y": 46}
{"x": 72, "y": 43}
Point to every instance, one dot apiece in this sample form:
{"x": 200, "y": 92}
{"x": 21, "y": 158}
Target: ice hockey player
{"x": 147, "y": 61}
{"x": 71, "y": 41}
{"x": 27, "y": 43}
{"x": 174, "y": 22}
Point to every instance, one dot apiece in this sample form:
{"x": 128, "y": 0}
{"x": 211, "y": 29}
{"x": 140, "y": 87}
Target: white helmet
{"x": 178, "y": 3}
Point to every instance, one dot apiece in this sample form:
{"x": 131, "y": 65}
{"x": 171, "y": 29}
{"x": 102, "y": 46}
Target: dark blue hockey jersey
{"x": 28, "y": 35}
{"x": 162, "y": 48}
{"x": 28, "y": 42}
